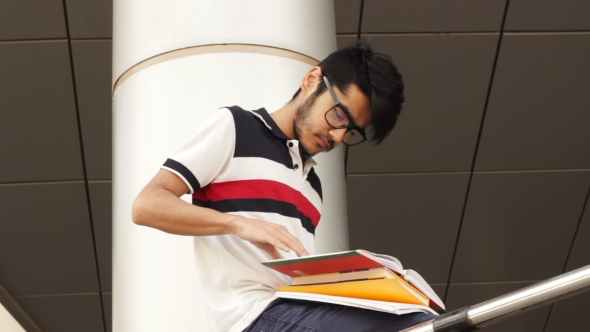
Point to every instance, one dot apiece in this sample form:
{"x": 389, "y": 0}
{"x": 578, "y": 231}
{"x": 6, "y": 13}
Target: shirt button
{"x": 296, "y": 166}
{"x": 290, "y": 144}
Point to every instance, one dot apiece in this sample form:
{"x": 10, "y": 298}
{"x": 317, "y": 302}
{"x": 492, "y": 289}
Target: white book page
{"x": 388, "y": 261}
{"x": 416, "y": 279}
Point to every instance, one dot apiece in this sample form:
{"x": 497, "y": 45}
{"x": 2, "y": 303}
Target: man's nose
{"x": 337, "y": 135}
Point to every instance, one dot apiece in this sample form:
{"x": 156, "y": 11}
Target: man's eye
{"x": 339, "y": 114}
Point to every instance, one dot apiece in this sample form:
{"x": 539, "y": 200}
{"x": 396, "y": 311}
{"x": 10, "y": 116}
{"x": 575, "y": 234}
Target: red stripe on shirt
{"x": 253, "y": 189}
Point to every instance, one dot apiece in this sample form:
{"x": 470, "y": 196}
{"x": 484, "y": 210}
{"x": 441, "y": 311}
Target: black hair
{"x": 375, "y": 75}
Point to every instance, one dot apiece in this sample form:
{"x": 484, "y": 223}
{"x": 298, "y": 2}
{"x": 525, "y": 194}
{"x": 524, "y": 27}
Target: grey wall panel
{"x": 446, "y": 79}
{"x": 464, "y": 295}
{"x": 432, "y": 15}
{"x": 439, "y": 290}
{"x": 38, "y": 127}
{"x": 90, "y": 18}
{"x": 67, "y": 313}
{"x": 92, "y": 66}
{"x": 519, "y": 226}
{"x": 107, "y": 300}
{"x": 100, "y": 201}
{"x": 342, "y": 42}
{"x": 537, "y": 116}
{"x": 412, "y": 217}
{"x": 30, "y": 19}
{"x": 548, "y": 15}
{"x": 580, "y": 255}
{"x": 46, "y": 240}
{"x": 347, "y": 13}
{"x": 570, "y": 314}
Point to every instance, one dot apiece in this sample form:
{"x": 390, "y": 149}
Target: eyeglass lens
{"x": 338, "y": 119}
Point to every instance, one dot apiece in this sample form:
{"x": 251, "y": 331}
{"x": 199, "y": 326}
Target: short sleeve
{"x": 200, "y": 160}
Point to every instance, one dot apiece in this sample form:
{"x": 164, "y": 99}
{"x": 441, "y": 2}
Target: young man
{"x": 256, "y": 196}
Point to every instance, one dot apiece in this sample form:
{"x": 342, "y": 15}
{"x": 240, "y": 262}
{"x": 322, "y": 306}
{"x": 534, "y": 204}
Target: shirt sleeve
{"x": 200, "y": 160}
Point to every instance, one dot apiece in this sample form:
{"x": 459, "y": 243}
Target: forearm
{"x": 161, "y": 209}
{"x": 159, "y": 206}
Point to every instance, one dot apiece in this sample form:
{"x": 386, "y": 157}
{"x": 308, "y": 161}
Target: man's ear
{"x": 311, "y": 80}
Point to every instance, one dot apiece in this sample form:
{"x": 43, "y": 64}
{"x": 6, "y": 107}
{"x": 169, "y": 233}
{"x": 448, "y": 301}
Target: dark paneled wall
{"x": 482, "y": 187}
{"x": 55, "y": 175}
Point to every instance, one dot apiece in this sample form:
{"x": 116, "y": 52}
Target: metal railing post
{"x": 477, "y": 316}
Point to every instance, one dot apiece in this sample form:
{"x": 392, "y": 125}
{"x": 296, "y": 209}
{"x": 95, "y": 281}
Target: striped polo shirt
{"x": 240, "y": 162}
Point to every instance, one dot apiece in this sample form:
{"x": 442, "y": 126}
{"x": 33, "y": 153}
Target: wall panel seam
{"x": 83, "y": 156}
{"x": 474, "y": 159}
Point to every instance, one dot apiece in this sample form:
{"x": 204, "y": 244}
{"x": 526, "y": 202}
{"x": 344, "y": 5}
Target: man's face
{"x": 312, "y": 130}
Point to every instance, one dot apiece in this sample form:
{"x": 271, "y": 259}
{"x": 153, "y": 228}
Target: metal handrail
{"x": 508, "y": 305}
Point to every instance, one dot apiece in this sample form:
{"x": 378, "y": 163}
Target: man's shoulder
{"x": 248, "y": 121}
{"x": 240, "y": 114}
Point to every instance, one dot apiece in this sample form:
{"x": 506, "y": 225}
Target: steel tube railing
{"x": 477, "y": 316}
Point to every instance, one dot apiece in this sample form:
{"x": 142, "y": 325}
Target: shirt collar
{"x": 263, "y": 115}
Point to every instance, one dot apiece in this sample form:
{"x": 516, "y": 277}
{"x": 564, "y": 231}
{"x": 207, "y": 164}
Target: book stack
{"x": 357, "y": 278}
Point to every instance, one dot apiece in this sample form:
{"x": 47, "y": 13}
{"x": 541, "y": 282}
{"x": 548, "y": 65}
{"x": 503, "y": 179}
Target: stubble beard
{"x": 302, "y": 122}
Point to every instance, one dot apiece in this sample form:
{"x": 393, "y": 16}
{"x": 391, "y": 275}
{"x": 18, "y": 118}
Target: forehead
{"x": 357, "y": 103}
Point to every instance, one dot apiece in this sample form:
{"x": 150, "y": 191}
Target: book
{"x": 384, "y": 306}
{"x": 353, "y": 260}
{"x": 345, "y": 262}
{"x": 385, "y": 289}
{"x": 377, "y": 273}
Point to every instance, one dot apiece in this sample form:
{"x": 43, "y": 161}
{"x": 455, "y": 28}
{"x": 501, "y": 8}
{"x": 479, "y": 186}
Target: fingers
{"x": 269, "y": 248}
{"x": 289, "y": 241}
{"x": 270, "y": 237}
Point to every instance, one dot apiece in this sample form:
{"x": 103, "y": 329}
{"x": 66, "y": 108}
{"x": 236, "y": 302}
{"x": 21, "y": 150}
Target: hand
{"x": 268, "y": 237}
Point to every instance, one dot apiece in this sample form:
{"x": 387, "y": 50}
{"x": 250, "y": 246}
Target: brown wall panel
{"x": 519, "y": 226}
{"x": 66, "y": 313}
{"x": 90, "y": 18}
{"x": 580, "y": 255}
{"x": 38, "y": 128}
{"x": 347, "y": 14}
{"x": 92, "y": 66}
{"x": 46, "y": 240}
{"x": 548, "y": 15}
{"x": 101, "y": 203}
{"x": 412, "y": 217}
{"x": 570, "y": 314}
{"x": 30, "y": 19}
{"x": 432, "y": 15}
{"x": 538, "y": 115}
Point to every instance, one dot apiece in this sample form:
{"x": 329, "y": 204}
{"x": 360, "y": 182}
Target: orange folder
{"x": 387, "y": 289}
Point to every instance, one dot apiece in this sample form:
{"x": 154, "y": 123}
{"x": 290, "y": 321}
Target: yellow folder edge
{"x": 388, "y": 289}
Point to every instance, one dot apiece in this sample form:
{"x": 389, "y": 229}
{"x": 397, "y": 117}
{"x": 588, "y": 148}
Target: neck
{"x": 285, "y": 118}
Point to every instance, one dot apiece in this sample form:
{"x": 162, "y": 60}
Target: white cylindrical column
{"x": 167, "y": 77}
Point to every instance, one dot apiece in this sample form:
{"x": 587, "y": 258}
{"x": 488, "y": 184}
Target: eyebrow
{"x": 347, "y": 110}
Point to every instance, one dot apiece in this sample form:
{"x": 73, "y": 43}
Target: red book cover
{"x": 339, "y": 262}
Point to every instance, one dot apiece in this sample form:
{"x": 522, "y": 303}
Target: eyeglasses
{"x": 338, "y": 117}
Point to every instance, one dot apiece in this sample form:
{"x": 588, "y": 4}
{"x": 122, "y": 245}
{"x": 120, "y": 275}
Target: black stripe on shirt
{"x": 255, "y": 139}
{"x": 315, "y": 182}
{"x": 175, "y": 165}
{"x": 258, "y": 205}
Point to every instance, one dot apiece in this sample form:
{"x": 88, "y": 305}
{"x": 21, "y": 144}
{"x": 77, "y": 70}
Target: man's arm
{"x": 159, "y": 206}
